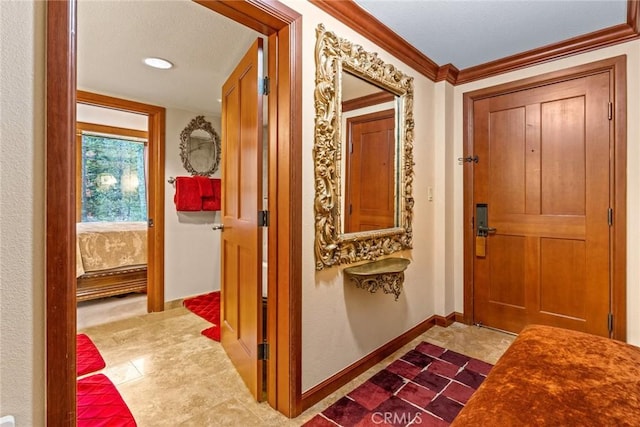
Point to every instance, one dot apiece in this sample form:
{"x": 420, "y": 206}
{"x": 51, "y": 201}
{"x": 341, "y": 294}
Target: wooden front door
{"x": 544, "y": 173}
{"x": 241, "y": 297}
{"x": 370, "y": 172}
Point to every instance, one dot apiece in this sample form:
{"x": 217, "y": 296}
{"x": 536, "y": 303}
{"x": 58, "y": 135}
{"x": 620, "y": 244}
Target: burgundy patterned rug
{"x": 207, "y": 306}
{"x": 428, "y": 386}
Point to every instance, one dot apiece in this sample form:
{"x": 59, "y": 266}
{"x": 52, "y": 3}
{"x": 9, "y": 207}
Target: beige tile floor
{"x": 171, "y": 375}
{"x": 106, "y": 310}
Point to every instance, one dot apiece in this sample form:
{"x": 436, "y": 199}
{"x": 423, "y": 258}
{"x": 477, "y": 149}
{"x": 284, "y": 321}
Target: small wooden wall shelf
{"x": 386, "y": 274}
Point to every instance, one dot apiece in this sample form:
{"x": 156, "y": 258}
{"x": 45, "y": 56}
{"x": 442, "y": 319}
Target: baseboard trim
{"x": 168, "y": 305}
{"x": 445, "y": 321}
{"x": 331, "y": 384}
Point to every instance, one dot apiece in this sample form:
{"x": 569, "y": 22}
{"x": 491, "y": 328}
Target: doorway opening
{"x": 282, "y": 26}
{"x": 137, "y": 268}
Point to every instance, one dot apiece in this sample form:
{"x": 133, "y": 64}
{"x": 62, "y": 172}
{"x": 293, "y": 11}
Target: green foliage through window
{"x": 113, "y": 179}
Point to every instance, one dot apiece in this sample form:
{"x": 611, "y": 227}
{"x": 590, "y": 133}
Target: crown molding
{"x": 633, "y": 15}
{"x": 598, "y": 39}
{"x": 349, "y": 13}
{"x": 448, "y": 72}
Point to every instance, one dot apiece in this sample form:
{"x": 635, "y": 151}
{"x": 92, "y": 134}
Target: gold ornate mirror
{"x": 200, "y": 147}
{"x": 364, "y": 115}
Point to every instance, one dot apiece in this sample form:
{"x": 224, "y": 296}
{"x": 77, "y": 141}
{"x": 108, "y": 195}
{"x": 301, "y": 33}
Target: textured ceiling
{"x": 472, "y": 32}
{"x": 114, "y": 36}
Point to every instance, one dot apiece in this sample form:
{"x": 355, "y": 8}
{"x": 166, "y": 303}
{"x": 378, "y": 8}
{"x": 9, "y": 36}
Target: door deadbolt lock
{"x": 482, "y": 229}
{"x": 482, "y": 220}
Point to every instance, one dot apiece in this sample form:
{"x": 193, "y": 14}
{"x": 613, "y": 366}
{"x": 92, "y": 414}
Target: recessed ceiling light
{"x": 160, "y": 63}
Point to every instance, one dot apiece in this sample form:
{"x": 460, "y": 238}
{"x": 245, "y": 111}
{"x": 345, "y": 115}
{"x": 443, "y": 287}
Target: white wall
{"x": 632, "y": 50}
{"x": 191, "y": 247}
{"x": 443, "y": 196}
{"x": 341, "y": 323}
{"x": 22, "y": 129}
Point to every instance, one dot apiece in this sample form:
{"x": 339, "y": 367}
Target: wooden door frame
{"x": 155, "y": 195}
{"x": 283, "y": 26}
{"x": 617, "y": 69}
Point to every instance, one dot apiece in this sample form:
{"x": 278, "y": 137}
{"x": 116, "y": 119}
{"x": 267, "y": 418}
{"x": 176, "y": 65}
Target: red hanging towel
{"x": 211, "y": 194}
{"x": 187, "y": 197}
{"x": 204, "y": 185}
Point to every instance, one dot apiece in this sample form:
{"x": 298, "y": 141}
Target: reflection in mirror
{"x": 381, "y": 134}
{"x": 369, "y": 147}
{"x": 200, "y": 147}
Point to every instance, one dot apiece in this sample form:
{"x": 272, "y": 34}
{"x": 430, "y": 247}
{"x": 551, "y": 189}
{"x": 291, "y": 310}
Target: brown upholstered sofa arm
{"x": 556, "y": 377}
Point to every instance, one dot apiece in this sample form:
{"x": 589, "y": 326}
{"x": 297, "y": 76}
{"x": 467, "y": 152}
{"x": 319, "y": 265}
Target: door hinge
{"x": 265, "y": 86}
{"x": 263, "y": 218}
{"x": 263, "y": 351}
{"x": 610, "y": 217}
{"x": 610, "y": 110}
{"x": 610, "y": 322}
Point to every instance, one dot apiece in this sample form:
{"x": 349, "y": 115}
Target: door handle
{"x": 486, "y": 230}
{"x": 217, "y": 227}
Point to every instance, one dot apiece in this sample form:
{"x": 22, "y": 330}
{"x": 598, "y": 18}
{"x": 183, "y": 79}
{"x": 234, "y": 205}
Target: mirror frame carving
{"x": 199, "y": 122}
{"x": 332, "y": 247}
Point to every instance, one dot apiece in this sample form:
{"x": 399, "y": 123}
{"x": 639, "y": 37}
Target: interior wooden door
{"x": 544, "y": 173}
{"x": 370, "y": 172}
{"x": 241, "y": 298}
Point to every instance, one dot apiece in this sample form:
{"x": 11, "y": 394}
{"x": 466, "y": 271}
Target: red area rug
{"x": 427, "y": 386}
{"x": 100, "y": 404}
{"x": 88, "y": 358}
{"x": 207, "y": 306}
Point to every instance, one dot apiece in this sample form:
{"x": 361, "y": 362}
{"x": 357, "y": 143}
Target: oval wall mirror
{"x": 200, "y": 147}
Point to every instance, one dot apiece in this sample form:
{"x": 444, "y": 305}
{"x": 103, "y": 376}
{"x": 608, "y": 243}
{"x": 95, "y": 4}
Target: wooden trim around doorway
{"x": 617, "y": 68}
{"x": 60, "y": 216}
{"x": 284, "y": 294}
